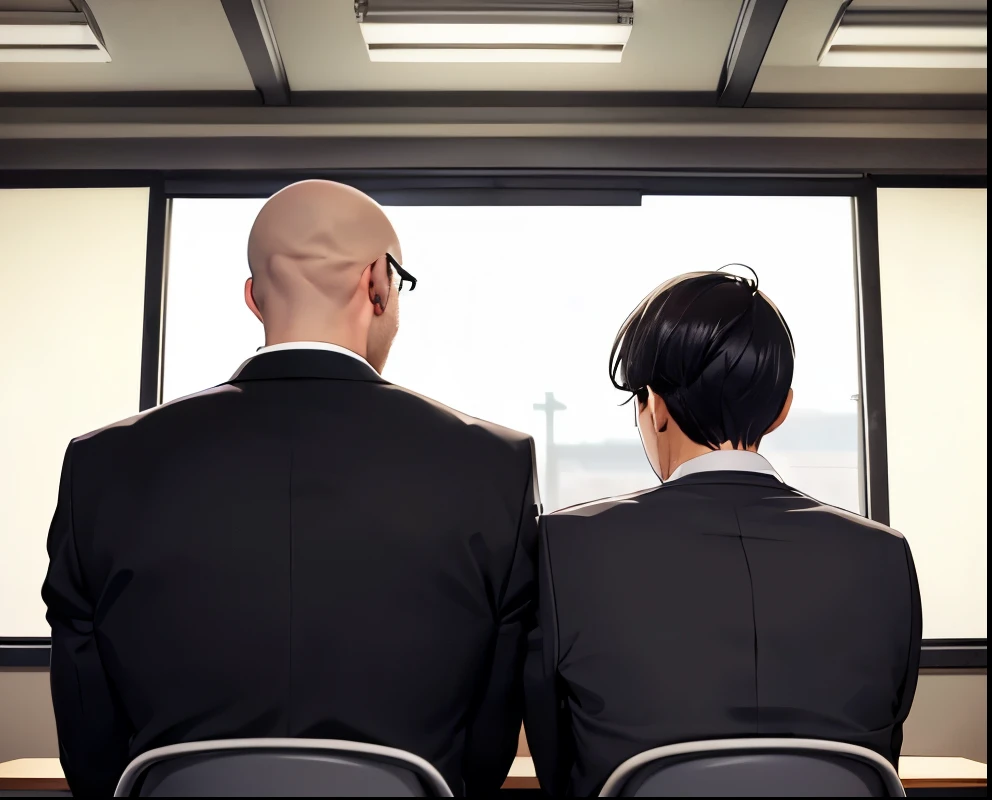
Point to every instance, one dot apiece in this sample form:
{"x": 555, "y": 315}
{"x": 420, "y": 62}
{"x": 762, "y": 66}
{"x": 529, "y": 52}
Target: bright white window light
{"x": 48, "y": 36}
{"x": 903, "y": 38}
{"x": 537, "y": 31}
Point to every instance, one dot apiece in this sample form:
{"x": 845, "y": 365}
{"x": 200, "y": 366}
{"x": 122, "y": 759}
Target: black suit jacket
{"x": 305, "y": 551}
{"x": 723, "y": 604}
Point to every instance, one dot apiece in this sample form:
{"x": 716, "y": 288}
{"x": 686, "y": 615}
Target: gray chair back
{"x": 280, "y": 768}
{"x": 755, "y": 768}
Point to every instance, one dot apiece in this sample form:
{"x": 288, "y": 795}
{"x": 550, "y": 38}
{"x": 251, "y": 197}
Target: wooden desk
{"x": 917, "y": 772}
{"x": 32, "y": 774}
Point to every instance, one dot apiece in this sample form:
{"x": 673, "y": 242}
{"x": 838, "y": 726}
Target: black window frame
{"x": 534, "y": 187}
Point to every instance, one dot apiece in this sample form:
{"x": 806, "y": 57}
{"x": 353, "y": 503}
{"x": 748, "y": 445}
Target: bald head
{"x": 320, "y": 222}
{"x": 317, "y": 258}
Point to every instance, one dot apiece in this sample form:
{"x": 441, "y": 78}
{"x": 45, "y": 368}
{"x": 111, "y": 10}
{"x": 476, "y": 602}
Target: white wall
{"x": 934, "y": 276}
{"x": 72, "y": 271}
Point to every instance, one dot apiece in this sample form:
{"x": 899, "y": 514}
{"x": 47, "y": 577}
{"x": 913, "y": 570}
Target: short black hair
{"x": 715, "y": 350}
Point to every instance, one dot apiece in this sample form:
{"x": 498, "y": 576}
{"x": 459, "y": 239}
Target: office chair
{"x": 755, "y": 768}
{"x": 280, "y": 768}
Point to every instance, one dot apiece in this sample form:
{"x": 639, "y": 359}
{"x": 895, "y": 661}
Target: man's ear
{"x": 659, "y": 411}
{"x": 379, "y": 285}
{"x": 250, "y": 300}
{"x": 783, "y": 413}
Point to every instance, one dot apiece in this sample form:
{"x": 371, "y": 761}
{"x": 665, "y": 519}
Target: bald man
{"x": 304, "y": 551}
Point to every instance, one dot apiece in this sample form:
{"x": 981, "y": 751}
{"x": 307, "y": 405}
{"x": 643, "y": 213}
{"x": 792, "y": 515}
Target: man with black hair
{"x": 724, "y": 603}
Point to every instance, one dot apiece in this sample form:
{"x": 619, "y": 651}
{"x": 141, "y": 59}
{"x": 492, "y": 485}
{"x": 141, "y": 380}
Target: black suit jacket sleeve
{"x": 93, "y": 735}
{"x": 545, "y": 716}
{"x": 908, "y": 689}
{"x": 495, "y": 727}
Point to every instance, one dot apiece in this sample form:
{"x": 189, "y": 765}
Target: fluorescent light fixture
{"x": 907, "y": 38}
{"x": 50, "y": 36}
{"x": 906, "y": 58}
{"x": 525, "y": 31}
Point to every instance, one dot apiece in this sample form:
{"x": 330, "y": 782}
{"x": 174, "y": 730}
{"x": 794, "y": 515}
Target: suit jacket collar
{"x": 320, "y": 364}
{"x": 724, "y": 461}
{"x": 728, "y": 476}
{"x": 305, "y": 345}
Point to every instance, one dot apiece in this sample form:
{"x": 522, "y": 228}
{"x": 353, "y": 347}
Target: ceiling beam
{"x": 756, "y": 25}
{"x": 712, "y": 154}
{"x": 453, "y": 121}
{"x": 250, "y": 23}
{"x": 475, "y": 99}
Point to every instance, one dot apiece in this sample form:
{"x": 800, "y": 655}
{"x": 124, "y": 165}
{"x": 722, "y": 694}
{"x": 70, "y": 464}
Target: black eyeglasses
{"x": 404, "y": 275}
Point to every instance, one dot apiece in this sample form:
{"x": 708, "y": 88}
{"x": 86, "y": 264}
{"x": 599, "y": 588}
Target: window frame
{"x": 538, "y": 187}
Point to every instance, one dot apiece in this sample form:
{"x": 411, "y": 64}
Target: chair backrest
{"x": 280, "y": 768}
{"x": 755, "y": 768}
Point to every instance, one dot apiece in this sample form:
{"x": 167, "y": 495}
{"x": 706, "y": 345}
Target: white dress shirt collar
{"x": 331, "y": 348}
{"x": 725, "y": 460}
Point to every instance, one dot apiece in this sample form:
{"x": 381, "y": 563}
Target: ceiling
{"x": 677, "y": 46}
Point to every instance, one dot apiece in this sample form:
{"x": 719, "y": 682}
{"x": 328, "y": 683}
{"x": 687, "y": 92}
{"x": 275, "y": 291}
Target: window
{"x": 517, "y": 308}
{"x": 513, "y": 321}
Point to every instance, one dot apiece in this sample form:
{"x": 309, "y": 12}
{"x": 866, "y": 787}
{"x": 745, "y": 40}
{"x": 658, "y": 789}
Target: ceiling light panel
{"x": 907, "y": 38}
{"x": 48, "y": 36}
{"x": 535, "y": 31}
